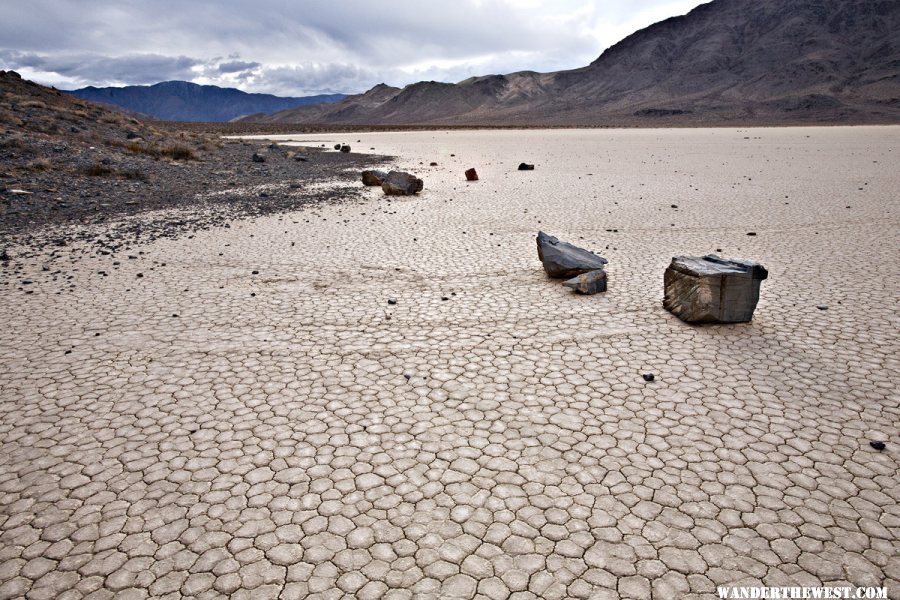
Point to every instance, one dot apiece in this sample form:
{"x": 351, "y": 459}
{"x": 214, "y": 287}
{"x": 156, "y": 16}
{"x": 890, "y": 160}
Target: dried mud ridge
{"x": 175, "y": 199}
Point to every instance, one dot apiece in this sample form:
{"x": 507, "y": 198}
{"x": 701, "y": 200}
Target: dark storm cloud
{"x": 308, "y": 46}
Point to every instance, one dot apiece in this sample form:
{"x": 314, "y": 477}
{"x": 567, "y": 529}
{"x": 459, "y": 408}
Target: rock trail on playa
{"x": 293, "y": 433}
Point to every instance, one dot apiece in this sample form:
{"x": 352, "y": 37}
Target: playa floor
{"x": 242, "y": 413}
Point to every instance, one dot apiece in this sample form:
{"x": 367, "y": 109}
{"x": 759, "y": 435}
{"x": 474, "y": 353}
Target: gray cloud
{"x": 237, "y": 66}
{"x": 310, "y": 46}
{"x": 103, "y": 70}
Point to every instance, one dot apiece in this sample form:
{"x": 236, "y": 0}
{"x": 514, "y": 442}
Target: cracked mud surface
{"x": 205, "y": 431}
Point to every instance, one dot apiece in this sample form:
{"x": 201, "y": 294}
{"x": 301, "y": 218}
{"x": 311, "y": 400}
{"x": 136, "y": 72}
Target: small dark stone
{"x": 345, "y": 148}
{"x": 471, "y": 175}
{"x": 822, "y": 307}
{"x": 432, "y": 164}
{"x": 751, "y": 233}
{"x": 337, "y": 146}
{"x": 648, "y": 377}
{"x": 255, "y": 273}
{"x": 140, "y": 274}
{"x": 258, "y": 158}
{"x": 392, "y": 301}
{"x": 674, "y": 206}
{"x": 526, "y": 167}
{"x": 444, "y": 298}
{"x": 878, "y": 445}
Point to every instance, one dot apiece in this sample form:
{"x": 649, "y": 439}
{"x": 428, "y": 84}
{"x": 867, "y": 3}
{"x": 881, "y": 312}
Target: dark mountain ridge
{"x": 185, "y": 101}
{"x": 763, "y": 61}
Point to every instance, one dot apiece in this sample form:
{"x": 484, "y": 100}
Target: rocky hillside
{"x": 75, "y": 170}
{"x": 741, "y": 61}
{"x": 184, "y": 101}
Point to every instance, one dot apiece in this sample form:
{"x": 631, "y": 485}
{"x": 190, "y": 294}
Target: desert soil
{"x": 240, "y": 411}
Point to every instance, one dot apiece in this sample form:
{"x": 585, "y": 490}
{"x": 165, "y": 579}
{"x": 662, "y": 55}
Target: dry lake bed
{"x": 242, "y": 413}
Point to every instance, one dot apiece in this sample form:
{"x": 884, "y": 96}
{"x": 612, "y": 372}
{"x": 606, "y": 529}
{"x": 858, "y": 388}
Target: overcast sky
{"x": 301, "y": 47}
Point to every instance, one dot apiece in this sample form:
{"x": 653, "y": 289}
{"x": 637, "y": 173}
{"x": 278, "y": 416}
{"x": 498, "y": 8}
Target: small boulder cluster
{"x": 582, "y": 269}
{"x": 395, "y": 183}
{"x": 698, "y": 289}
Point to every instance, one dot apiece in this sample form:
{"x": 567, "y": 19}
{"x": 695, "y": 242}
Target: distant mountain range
{"x": 184, "y": 101}
{"x": 751, "y": 61}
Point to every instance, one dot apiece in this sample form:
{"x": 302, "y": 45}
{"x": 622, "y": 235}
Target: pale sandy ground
{"x": 313, "y": 441}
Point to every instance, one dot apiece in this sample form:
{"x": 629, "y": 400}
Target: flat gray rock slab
{"x": 563, "y": 260}
{"x": 710, "y": 289}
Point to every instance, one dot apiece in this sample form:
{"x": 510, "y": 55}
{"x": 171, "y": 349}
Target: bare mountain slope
{"x": 725, "y": 61}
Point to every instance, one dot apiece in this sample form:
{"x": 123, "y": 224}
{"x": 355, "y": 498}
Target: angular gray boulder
{"x": 592, "y": 282}
{"x": 374, "y": 177}
{"x": 710, "y": 289}
{"x": 563, "y": 260}
{"x": 398, "y": 183}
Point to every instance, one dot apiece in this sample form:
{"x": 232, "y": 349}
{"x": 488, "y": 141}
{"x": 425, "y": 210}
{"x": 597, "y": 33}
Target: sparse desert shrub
{"x": 144, "y": 149}
{"x": 137, "y": 148}
{"x": 13, "y": 142}
{"x": 97, "y": 170}
{"x": 33, "y": 104}
{"x": 40, "y": 164}
{"x": 133, "y": 174}
{"x": 179, "y": 153}
{"x": 10, "y": 118}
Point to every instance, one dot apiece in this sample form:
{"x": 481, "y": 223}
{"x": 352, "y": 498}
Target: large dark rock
{"x": 592, "y": 282}
{"x": 375, "y": 177}
{"x": 259, "y": 157}
{"x": 345, "y": 148}
{"x": 471, "y": 175}
{"x": 526, "y": 167}
{"x": 709, "y": 289}
{"x": 398, "y": 183}
{"x": 563, "y": 260}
